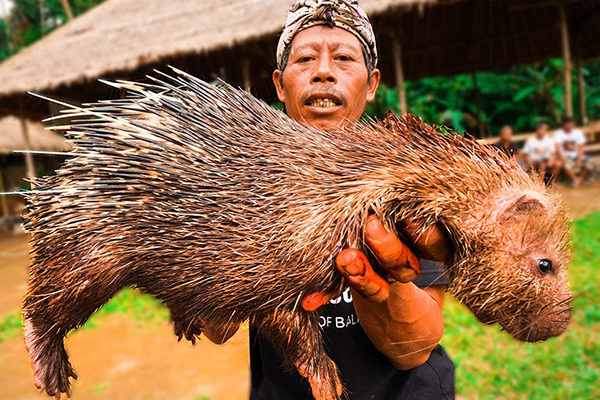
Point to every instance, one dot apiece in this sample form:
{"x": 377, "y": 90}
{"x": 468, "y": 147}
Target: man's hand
{"x": 393, "y": 255}
{"x": 403, "y": 322}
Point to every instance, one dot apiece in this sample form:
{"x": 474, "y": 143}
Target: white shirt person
{"x": 569, "y": 143}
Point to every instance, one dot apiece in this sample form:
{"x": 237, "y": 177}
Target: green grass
{"x": 138, "y": 306}
{"x": 99, "y": 388}
{"x": 10, "y": 326}
{"x": 492, "y": 365}
{"x": 141, "y": 307}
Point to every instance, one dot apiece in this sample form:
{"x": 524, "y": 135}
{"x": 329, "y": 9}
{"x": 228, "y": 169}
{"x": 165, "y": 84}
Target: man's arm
{"x": 527, "y": 149}
{"x": 559, "y": 152}
{"x": 580, "y": 152}
{"x": 403, "y": 321}
{"x": 552, "y": 159}
{"x": 407, "y": 334}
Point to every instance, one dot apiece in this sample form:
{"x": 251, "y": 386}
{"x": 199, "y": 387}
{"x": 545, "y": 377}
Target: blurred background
{"x": 473, "y": 65}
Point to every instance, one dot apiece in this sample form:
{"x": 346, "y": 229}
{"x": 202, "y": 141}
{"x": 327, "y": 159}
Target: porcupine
{"x": 225, "y": 209}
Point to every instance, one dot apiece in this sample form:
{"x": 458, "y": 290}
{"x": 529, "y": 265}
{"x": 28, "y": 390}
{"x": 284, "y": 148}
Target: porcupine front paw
{"x": 189, "y": 328}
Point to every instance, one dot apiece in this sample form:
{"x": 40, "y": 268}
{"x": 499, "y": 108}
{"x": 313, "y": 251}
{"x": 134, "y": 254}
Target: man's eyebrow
{"x": 333, "y": 46}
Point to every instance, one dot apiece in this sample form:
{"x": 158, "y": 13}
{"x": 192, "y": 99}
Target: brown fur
{"x": 225, "y": 209}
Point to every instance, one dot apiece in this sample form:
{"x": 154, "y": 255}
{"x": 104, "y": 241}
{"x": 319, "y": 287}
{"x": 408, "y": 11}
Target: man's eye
{"x": 304, "y": 59}
{"x": 344, "y": 58}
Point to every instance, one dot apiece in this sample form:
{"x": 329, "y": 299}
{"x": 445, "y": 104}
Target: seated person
{"x": 569, "y": 143}
{"x": 506, "y": 144}
{"x": 540, "y": 153}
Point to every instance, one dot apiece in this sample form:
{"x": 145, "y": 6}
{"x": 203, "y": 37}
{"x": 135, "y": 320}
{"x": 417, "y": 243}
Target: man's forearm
{"x": 405, "y": 334}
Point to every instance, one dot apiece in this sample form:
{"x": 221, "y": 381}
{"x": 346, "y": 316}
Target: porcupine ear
{"x": 518, "y": 203}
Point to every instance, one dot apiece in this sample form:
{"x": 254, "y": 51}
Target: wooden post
{"x": 246, "y": 74}
{"x": 397, "y": 54}
{"x": 566, "y": 54}
{"x": 478, "y": 102}
{"x": 30, "y": 165}
{"x": 3, "y": 201}
{"x": 583, "y": 119}
{"x": 67, "y": 8}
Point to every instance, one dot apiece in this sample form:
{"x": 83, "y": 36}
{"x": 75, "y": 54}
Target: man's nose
{"x": 323, "y": 72}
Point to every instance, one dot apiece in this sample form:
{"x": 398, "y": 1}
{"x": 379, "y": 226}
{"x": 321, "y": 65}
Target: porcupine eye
{"x": 545, "y": 266}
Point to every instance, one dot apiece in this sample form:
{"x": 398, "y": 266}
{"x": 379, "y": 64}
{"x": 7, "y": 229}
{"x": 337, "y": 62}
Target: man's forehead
{"x": 316, "y": 37}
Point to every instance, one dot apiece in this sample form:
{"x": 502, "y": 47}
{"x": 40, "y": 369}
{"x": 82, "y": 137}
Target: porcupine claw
{"x": 188, "y": 328}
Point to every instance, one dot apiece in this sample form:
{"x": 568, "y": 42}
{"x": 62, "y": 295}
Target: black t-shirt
{"x": 365, "y": 372}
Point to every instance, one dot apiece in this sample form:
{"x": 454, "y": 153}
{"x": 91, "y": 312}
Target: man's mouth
{"x": 323, "y": 102}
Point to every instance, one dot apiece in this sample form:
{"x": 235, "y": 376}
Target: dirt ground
{"x": 123, "y": 359}
{"x": 581, "y": 200}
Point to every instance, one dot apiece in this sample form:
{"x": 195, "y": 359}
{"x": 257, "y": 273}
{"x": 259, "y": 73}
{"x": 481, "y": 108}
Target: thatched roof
{"x": 11, "y": 137}
{"x": 122, "y": 35}
{"x": 210, "y": 38}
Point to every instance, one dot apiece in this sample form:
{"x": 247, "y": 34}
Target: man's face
{"x": 569, "y": 126}
{"x": 541, "y": 131}
{"x": 506, "y": 134}
{"x": 325, "y": 83}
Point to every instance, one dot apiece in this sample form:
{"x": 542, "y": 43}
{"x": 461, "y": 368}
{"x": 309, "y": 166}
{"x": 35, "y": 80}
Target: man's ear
{"x": 278, "y": 85}
{"x": 373, "y": 85}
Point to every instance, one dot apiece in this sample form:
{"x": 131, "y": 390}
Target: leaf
{"x": 525, "y": 92}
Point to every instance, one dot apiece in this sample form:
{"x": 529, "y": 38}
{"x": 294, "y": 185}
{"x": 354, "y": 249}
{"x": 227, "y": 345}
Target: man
{"x": 540, "y": 153}
{"x": 506, "y": 144}
{"x": 383, "y": 335}
{"x": 569, "y": 143}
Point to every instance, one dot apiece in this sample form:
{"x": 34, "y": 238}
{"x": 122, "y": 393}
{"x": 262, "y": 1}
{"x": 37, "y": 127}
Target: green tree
{"x": 29, "y": 20}
{"x": 521, "y": 97}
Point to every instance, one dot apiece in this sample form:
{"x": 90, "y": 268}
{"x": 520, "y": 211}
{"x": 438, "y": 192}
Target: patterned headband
{"x": 345, "y": 14}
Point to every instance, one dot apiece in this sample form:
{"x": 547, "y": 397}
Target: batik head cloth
{"x": 345, "y": 14}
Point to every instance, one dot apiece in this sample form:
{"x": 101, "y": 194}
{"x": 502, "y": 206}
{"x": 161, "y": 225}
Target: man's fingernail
{"x": 355, "y": 268}
{"x": 375, "y": 229}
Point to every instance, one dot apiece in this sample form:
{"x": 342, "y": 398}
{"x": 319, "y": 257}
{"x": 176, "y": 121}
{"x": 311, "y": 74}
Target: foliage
{"x": 29, "y": 20}
{"x": 521, "y": 97}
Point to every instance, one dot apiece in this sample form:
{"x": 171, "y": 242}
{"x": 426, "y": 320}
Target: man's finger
{"x": 315, "y": 300}
{"x": 433, "y": 243}
{"x": 392, "y": 254}
{"x": 359, "y": 274}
